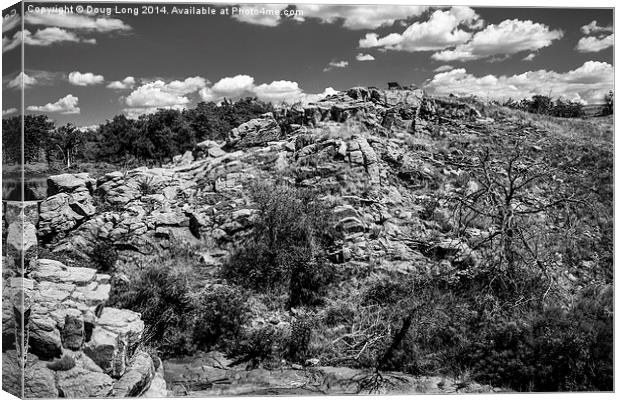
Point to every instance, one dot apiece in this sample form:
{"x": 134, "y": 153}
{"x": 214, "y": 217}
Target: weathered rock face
{"x": 136, "y": 378}
{"x": 69, "y": 203}
{"x": 256, "y": 132}
{"x": 77, "y": 347}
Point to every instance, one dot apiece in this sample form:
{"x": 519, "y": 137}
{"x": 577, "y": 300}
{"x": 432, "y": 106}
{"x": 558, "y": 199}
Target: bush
{"x": 104, "y": 255}
{"x": 287, "y": 251}
{"x": 180, "y": 318}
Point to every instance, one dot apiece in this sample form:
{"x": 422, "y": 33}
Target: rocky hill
{"x": 445, "y": 227}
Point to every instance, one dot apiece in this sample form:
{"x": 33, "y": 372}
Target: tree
{"x": 67, "y": 140}
{"x": 609, "y": 103}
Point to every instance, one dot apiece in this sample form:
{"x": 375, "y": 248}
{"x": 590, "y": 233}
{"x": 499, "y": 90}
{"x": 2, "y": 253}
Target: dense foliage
{"x": 181, "y": 317}
{"x": 37, "y": 130}
{"x": 287, "y": 251}
{"x": 152, "y": 138}
{"x": 540, "y": 104}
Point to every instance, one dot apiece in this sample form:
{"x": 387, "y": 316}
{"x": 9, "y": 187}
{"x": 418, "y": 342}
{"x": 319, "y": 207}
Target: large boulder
{"x": 63, "y": 212}
{"x": 21, "y": 243}
{"x": 116, "y": 334}
{"x": 81, "y": 382}
{"x": 69, "y": 183}
{"x": 137, "y": 378}
{"x": 255, "y": 132}
{"x": 39, "y": 381}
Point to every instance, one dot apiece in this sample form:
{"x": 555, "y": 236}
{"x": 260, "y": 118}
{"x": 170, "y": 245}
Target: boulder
{"x": 80, "y": 382}
{"x": 116, "y": 334}
{"x": 21, "y": 243}
{"x": 73, "y": 333}
{"x": 45, "y": 339}
{"x": 255, "y": 132}
{"x": 39, "y": 381}
{"x": 63, "y": 212}
{"x": 68, "y": 183}
{"x": 137, "y": 377}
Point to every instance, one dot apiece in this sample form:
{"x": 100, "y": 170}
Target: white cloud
{"x": 87, "y": 79}
{"x": 278, "y": 91}
{"x": 159, "y": 94}
{"x": 364, "y": 57}
{"x": 49, "y": 36}
{"x": 65, "y": 105}
{"x": 9, "y": 22}
{"x": 443, "y": 68}
{"x": 593, "y": 27}
{"x": 20, "y": 79}
{"x": 313, "y": 98}
{"x": 590, "y": 82}
{"x": 508, "y": 37}
{"x": 356, "y": 17}
{"x": 240, "y": 86}
{"x": 230, "y": 87}
{"x": 127, "y": 83}
{"x": 592, "y": 44}
{"x": 9, "y": 111}
{"x": 77, "y": 21}
{"x": 88, "y": 128}
{"x": 11, "y": 43}
{"x": 443, "y": 29}
{"x": 529, "y": 57}
{"x": 336, "y": 64}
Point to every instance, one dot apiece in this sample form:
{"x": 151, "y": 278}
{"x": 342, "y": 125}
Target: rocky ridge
{"x": 367, "y": 150}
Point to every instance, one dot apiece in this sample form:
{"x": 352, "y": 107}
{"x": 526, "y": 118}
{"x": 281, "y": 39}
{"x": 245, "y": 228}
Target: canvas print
{"x": 306, "y": 199}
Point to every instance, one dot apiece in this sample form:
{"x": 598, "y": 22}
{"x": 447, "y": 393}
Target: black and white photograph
{"x": 307, "y": 199}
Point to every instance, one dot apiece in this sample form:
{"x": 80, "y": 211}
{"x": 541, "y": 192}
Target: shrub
{"x": 179, "y": 317}
{"x": 146, "y": 186}
{"x": 104, "y": 255}
{"x": 287, "y": 251}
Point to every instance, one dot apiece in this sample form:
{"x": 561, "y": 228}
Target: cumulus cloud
{"x": 49, "y": 36}
{"x": 443, "y": 68}
{"x": 506, "y": 38}
{"x": 336, "y": 64}
{"x": 593, "y": 28}
{"x": 65, "y": 105}
{"x": 87, "y": 79}
{"x": 158, "y": 94}
{"x": 20, "y": 79}
{"x": 240, "y": 86}
{"x": 127, "y": 83}
{"x": 364, "y": 57}
{"x": 357, "y": 17}
{"x": 9, "y": 111}
{"x": 444, "y": 29}
{"x": 77, "y": 22}
{"x": 529, "y": 57}
{"x": 278, "y": 91}
{"x": 61, "y": 27}
{"x": 593, "y": 44}
{"x": 588, "y": 82}
{"x": 231, "y": 87}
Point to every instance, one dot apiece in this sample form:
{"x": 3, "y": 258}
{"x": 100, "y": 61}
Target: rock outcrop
{"x": 76, "y": 346}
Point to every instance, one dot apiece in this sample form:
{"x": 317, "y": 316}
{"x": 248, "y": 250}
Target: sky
{"x": 85, "y": 66}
